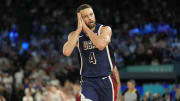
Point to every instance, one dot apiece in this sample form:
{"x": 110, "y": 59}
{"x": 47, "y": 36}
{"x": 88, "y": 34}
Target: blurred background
{"x": 146, "y": 40}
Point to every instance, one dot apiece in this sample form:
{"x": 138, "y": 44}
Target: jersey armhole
{"x": 99, "y": 30}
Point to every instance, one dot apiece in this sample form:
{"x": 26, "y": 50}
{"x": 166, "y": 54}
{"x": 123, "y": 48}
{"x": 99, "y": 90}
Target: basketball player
{"x": 98, "y": 82}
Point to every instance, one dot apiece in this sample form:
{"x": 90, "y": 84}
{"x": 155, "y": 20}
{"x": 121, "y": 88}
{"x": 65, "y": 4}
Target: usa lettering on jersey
{"x": 87, "y": 45}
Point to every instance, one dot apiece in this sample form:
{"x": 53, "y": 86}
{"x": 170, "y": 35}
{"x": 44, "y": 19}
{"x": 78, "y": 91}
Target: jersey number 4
{"x": 92, "y": 58}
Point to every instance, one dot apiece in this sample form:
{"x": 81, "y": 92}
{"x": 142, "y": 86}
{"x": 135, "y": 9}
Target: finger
{"x": 82, "y": 21}
{"x": 78, "y": 17}
{"x": 79, "y": 14}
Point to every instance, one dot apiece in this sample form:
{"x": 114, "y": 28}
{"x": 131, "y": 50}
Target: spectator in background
{"x": 2, "y": 88}
{"x": 178, "y": 93}
{"x": 173, "y": 92}
{"x": 157, "y": 97}
{"x": 39, "y": 95}
{"x": 131, "y": 93}
{"x": 54, "y": 80}
{"x": 167, "y": 95}
{"x": 28, "y": 97}
{"x": 26, "y": 83}
{"x": 147, "y": 96}
{"x": 76, "y": 90}
{"x": 55, "y": 94}
{"x": 7, "y": 81}
{"x": 68, "y": 91}
{"x": 19, "y": 75}
{"x": 19, "y": 93}
{"x": 30, "y": 89}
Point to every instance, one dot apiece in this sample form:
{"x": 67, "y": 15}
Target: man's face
{"x": 130, "y": 85}
{"x": 88, "y": 17}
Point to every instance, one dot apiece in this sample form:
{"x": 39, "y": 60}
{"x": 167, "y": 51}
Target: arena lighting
{"x": 150, "y": 28}
{"x": 25, "y": 45}
{"x": 13, "y": 35}
{"x": 134, "y": 31}
{"x": 163, "y": 27}
{"x": 175, "y": 31}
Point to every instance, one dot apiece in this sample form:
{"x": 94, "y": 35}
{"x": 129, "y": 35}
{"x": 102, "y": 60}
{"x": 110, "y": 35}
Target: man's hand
{"x": 84, "y": 26}
{"x": 73, "y": 38}
{"x": 100, "y": 41}
{"x": 79, "y": 25}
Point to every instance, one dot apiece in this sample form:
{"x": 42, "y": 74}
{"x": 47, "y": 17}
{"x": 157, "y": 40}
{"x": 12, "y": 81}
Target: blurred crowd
{"x": 32, "y": 34}
{"x": 132, "y": 92}
{"x": 168, "y": 95}
{"x": 149, "y": 49}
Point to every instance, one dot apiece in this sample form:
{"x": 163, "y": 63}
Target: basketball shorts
{"x": 98, "y": 88}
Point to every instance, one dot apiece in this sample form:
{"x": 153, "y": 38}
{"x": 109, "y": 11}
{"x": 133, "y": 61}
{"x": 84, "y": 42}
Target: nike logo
{"x": 104, "y": 77}
{"x": 80, "y": 36}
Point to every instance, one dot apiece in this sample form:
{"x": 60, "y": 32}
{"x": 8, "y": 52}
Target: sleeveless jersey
{"x": 95, "y": 63}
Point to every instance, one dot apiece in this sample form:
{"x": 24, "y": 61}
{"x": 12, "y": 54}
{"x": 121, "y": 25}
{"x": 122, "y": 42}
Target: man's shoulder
{"x": 105, "y": 27}
{"x": 137, "y": 92}
{"x": 124, "y": 91}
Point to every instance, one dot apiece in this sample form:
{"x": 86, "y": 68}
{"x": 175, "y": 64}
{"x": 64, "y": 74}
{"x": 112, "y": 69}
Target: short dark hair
{"x": 83, "y": 6}
{"x": 132, "y": 81}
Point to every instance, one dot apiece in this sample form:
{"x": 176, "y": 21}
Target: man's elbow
{"x": 66, "y": 53}
{"x": 101, "y": 47}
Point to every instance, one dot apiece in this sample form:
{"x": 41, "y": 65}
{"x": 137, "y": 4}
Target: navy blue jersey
{"x": 94, "y": 63}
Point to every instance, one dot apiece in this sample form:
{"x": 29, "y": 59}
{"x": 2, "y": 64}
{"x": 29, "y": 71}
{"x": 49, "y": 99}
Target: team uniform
{"x": 98, "y": 82}
{"x": 131, "y": 96}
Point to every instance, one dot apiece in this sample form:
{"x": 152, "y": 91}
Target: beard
{"x": 91, "y": 24}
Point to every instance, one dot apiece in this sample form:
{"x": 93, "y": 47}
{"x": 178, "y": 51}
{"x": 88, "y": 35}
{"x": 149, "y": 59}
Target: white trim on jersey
{"x": 83, "y": 98}
{"x": 107, "y": 49}
{"x": 109, "y": 57}
{"x": 99, "y": 29}
{"x": 112, "y": 87}
{"x": 80, "y": 57}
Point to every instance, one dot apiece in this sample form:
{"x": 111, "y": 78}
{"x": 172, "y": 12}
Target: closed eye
{"x": 91, "y": 14}
{"x": 85, "y": 16}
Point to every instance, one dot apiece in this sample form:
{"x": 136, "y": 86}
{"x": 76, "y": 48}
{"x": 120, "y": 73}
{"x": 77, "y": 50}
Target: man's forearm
{"x": 71, "y": 43}
{"x": 118, "y": 80}
{"x": 96, "y": 40}
{"x": 74, "y": 38}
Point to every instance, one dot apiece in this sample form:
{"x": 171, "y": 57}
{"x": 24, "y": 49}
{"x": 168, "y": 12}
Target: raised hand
{"x": 84, "y": 26}
{"x": 83, "y": 23}
{"x": 79, "y": 19}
